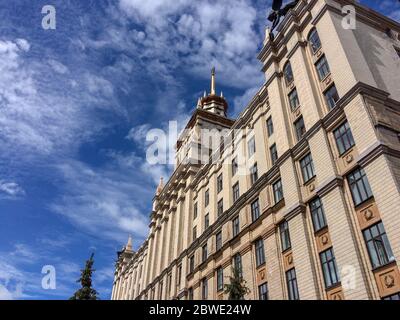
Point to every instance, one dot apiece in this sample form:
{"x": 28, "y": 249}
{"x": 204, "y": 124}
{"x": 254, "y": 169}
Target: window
{"x": 206, "y": 221}
{"x": 251, "y": 146}
{"x": 294, "y": 99}
{"x": 169, "y": 284}
{"x": 237, "y": 264}
{"x": 263, "y": 292}
{"x": 359, "y": 186}
{"x": 204, "y": 253}
{"x": 179, "y": 275}
{"x": 255, "y": 210}
{"x": 307, "y": 168}
{"x": 160, "y": 290}
{"x": 378, "y": 246}
{"x": 234, "y": 166}
{"x": 288, "y": 74}
{"x": 220, "y": 207}
{"x": 315, "y": 42}
{"x": 190, "y": 293}
{"x": 285, "y": 236}
{"x": 204, "y": 288}
{"x": 236, "y": 191}
{"x": 235, "y": 226}
{"x": 278, "y": 192}
{"x": 220, "y": 279}
{"x": 393, "y": 297}
{"x": 218, "y": 240}
{"x": 253, "y": 173}
{"x": 207, "y": 197}
{"x": 322, "y": 68}
{"x": 195, "y": 211}
{"x": 317, "y": 214}
{"x": 194, "y": 233}
{"x": 191, "y": 264}
{"x": 219, "y": 183}
{"x": 274, "y": 153}
{"x": 329, "y": 268}
{"x": 291, "y": 281}
{"x": 331, "y": 97}
{"x": 270, "y": 126}
{"x": 344, "y": 138}
{"x": 300, "y": 128}
{"x": 260, "y": 256}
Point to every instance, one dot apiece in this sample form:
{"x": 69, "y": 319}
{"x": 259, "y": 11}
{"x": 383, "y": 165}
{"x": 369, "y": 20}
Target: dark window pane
{"x": 253, "y": 173}
{"x": 288, "y": 74}
{"x": 300, "y": 128}
{"x": 378, "y": 246}
{"x": 274, "y": 153}
{"x": 278, "y": 192}
{"x": 329, "y": 268}
{"x": 270, "y": 126}
{"x": 307, "y": 167}
{"x": 331, "y": 97}
{"x": 322, "y": 68}
{"x": 263, "y": 292}
{"x": 236, "y": 226}
{"x": 315, "y": 42}
{"x": 236, "y": 191}
{"x": 317, "y": 214}
{"x": 344, "y": 138}
{"x": 291, "y": 281}
{"x": 260, "y": 256}
{"x": 285, "y": 235}
{"x": 294, "y": 99}
{"x": 359, "y": 186}
{"x": 255, "y": 210}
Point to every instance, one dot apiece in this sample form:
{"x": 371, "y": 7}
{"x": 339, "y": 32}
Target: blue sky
{"x": 75, "y": 104}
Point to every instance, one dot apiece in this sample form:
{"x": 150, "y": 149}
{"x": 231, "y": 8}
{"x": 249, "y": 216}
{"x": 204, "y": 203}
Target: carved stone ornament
{"x": 312, "y": 187}
{"x": 368, "y": 214}
{"x": 290, "y": 259}
{"x": 324, "y": 239}
{"x": 389, "y": 281}
{"x": 349, "y": 158}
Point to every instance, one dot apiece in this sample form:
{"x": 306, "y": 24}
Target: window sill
{"x": 333, "y": 286}
{"x": 384, "y": 266}
{"x": 309, "y": 181}
{"x": 261, "y": 266}
{"x": 365, "y": 202}
{"x": 286, "y": 250}
{"x": 325, "y": 78}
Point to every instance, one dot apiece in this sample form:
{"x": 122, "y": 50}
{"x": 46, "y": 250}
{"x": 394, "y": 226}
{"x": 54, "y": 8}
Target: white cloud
{"x": 11, "y": 189}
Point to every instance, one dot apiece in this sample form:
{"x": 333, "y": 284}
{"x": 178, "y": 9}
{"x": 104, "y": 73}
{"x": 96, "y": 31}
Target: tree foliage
{"x": 237, "y": 288}
{"x": 86, "y": 292}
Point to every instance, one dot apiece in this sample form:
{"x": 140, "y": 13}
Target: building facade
{"x": 303, "y": 198}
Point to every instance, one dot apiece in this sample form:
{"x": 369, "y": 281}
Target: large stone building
{"x": 304, "y": 198}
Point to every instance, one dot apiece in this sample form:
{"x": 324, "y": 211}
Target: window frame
{"x": 292, "y": 286}
{"x": 273, "y": 151}
{"x": 365, "y": 186}
{"x": 235, "y": 166}
{"x": 207, "y": 198}
{"x": 307, "y": 168}
{"x": 380, "y": 245}
{"x": 220, "y": 279}
{"x": 286, "y": 68}
{"x": 251, "y": 146}
{"x": 206, "y": 221}
{"x": 218, "y": 240}
{"x": 270, "y": 126}
{"x": 310, "y": 36}
{"x": 219, "y": 183}
{"x": 220, "y": 207}
{"x": 237, "y": 264}
{"x": 293, "y": 97}
{"x": 204, "y": 288}
{"x": 327, "y": 100}
{"x": 235, "y": 226}
{"x": 253, "y": 173}
{"x": 329, "y": 268}
{"x": 278, "y": 191}
{"x": 344, "y": 138}
{"x": 322, "y": 67}
{"x": 317, "y": 214}
{"x": 191, "y": 264}
{"x": 300, "y": 135}
{"x": 255, "y": 210}
{"x": 236, "y": 191}
{"x": 284, "y": 233}
{"x": 263, "y": 294}
{"x": 259, "y": 252}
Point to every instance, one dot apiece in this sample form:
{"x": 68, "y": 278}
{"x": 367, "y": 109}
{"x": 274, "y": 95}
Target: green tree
{"x": 237, "y": 288}
{"x": 86, "y": 292}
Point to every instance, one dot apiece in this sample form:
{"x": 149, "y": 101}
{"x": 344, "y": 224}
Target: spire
{"x": 128, "y": 246}
{"x": 199, "y": 103}
{"x": 160, "y": 186}
{"x": 213, "y": 81}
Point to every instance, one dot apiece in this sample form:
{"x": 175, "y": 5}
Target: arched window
{"x": 288, "y": 73}
{"x": 314, "y": 40}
